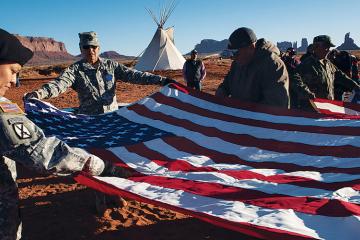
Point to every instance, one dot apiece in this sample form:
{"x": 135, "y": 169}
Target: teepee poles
{"x": 164, "y": 14}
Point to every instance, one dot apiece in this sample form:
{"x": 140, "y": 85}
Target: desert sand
{"x": 57, "y": 208}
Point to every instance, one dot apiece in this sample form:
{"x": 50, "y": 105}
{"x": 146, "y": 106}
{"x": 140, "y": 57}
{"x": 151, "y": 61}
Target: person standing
{"x": 290, "y": 60}
{"x": 194, "y": 71}
{"x": 257, "y": 73}
{"x": 317, "y": 76}
{"x": 94, "y": 79}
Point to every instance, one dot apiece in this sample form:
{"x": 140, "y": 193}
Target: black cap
{"x": 241, "y": 37}
{"x": 325, "y": 39}
{"x": 291, "y": 50}
{"x": 12, "y": 50}
{"x": 194, "y": 51}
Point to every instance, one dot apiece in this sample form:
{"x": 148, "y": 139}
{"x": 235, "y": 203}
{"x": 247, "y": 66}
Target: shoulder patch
{"x": 21, "y": 131}
{"x": 8, "y": 107}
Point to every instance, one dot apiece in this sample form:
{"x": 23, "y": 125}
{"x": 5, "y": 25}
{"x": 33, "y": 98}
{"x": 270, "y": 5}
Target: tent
{"x": 161, "y": 54}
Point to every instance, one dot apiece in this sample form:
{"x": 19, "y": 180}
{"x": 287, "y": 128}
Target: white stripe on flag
{"x": 258, "y": 132}
{"x": 336, "y": 109}
{"x": 169, "y": 92}
{"x": 347, "y": 228}
{"x": 247, "y": 153}
{"x": 203, "y": 161}
{"x": 148, "y": 167}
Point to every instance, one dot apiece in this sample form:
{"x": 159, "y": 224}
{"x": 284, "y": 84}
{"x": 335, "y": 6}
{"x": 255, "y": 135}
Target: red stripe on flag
{"x": 173, "y": 102}
{"x": 186, "y": 145}
{"x": 180, "y": 165}
{"x": 308, "y": 205}
{"x": 252, "y": 107}
{"x": 242, "y": 227}
{"x": 345, "y": 151}
{"x": 352, "y": 106}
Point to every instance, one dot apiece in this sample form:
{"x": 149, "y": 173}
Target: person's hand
{"x": 312, "y": 96}
{"x": 29, "y": 95}
{"x": 348, "y": 96}
{"x": 166, "y": 81}
{"x": 111, "y": 170}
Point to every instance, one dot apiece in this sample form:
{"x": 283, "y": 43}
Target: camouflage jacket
{"x": 23, "y": 142}
{"x": 318, "y": 78}
{"x": 264, "y": 80}
{"x": 96, "y": 87}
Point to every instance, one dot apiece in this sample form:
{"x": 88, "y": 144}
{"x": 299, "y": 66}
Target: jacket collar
{"x": 88, "y": 66}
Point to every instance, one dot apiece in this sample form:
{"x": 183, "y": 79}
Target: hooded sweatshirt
{"x": 264, "y": 80}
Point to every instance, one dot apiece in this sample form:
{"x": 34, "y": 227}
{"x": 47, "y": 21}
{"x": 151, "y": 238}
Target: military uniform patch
{"x": 8, "y": 107}
{"x": 21, "y": 131}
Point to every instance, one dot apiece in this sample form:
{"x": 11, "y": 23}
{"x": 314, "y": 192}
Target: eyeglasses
{"x": 87, "y": 47}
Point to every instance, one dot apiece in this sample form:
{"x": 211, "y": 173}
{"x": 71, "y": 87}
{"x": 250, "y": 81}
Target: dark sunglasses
{"x": 87, "y": 47}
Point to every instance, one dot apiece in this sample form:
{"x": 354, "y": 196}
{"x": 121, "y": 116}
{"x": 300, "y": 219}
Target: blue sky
{"x": 126, "y": 27}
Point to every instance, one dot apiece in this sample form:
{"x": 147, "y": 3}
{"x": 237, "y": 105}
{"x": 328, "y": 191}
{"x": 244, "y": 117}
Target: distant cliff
{"x": 209, "y": 46}
{"x": 46, "y": 50}
{"x": 115, "y": 56}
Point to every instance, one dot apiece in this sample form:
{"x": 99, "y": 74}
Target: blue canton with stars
{"x": 102, "y": 131}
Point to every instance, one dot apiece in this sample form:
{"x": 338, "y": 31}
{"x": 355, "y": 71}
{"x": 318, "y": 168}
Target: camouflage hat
{"x": 88, "y": 38}
{"x": 241, "y": 37}
{"x": 324, "y": 39}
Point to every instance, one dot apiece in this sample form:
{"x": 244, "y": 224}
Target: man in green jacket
{"x": 257, "y": 73}
{"x": 316, "y": 76}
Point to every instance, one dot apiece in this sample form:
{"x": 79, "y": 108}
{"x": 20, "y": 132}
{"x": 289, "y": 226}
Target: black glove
{"x": 112, "y": 170}
{"x": 312, "y": 96}
{"x": 166, "y": 81}
{"x": 29, "y": 95}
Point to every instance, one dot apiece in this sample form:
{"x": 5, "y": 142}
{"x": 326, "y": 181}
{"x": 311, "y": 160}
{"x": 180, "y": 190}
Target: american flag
{"x": 337, "y": 108}
{"x": 266, "y": 172}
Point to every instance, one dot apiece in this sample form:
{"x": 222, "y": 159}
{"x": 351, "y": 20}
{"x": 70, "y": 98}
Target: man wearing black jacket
{"x": 194, "y": 71}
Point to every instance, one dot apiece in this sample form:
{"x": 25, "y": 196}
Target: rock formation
{"x": 46, "y": 50}
{"x": 304, "y": 45}
{"x": 210, "y": 46}
{"x": 115, "y": 56}
{"x": 348, "y": 44}
{"x": 285, "y": 45}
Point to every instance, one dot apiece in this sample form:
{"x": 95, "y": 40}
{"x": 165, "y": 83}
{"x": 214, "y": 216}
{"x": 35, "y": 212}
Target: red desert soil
{"x": 58, "y": 208}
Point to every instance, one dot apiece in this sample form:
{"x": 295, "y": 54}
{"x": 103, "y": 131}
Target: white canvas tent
{"x": 161, "y": 54}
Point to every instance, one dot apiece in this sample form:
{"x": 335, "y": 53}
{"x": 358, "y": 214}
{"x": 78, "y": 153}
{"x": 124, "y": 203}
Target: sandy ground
{"x": 58, "y": 208}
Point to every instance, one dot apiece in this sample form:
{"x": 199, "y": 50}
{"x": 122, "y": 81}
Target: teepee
{"x": 161, "y": 54}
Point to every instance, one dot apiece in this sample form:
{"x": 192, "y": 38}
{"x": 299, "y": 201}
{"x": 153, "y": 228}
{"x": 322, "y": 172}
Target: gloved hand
{"x": 348, "y": 96}
{"x": 166, "y": 81}
{"x": 112, "y": 170}
{"x": 31, "y": 95}
{"x": 312, "y": 96}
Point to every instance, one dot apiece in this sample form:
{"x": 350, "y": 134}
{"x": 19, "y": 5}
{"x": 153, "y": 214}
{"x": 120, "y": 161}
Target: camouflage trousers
{"x": 10, "y": 225}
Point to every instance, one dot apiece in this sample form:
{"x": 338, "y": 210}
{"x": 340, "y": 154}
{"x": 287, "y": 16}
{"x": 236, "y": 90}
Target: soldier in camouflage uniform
{"x": 94, "y": 79}
{"x": 23, "y": 142}
{"x": 316, "y": 76}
